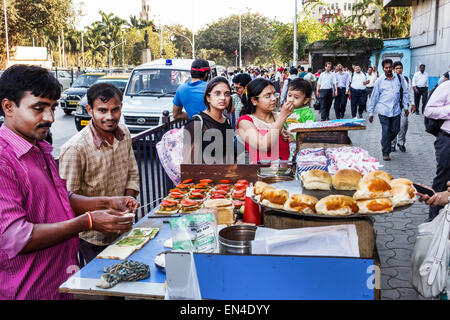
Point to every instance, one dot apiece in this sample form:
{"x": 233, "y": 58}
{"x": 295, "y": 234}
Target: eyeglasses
{"x": 268, "y": 96}
{"x": 218, "y": 94}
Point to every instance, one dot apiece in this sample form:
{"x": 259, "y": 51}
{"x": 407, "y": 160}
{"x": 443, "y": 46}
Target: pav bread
{"x": 317, "y": 180}
{"x": 258, "y": 189}
{"x": 403, "y": 195}
{"x": 337, "y": 205}
{"x": 373, "y": 189}
{"x": 379, "y": 205}
{"x": 378, "y": 174}
{"x": 346, "y": 179}
{"x": 302, "y": 203}
{"x": 401, "y": 181}
{"x": 274, "y": 198}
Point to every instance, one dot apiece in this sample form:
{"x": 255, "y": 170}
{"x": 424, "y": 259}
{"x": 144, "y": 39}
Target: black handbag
{"x": 316, "y": 105}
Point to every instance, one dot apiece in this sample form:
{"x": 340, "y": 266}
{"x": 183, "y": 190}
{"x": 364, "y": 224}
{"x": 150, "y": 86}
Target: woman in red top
{"x": 260, "y": 127}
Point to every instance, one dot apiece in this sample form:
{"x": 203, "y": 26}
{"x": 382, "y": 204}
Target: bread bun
{"x": 403, "y": 195}
{"x": 379, "y": 205}
{"x": 373, "y": 189}
{"x": 217, "y": 203}
{"x": 302, "y": 203}
{"x": 378, "y": 174}
{"x": 337, "y": 205}
{"x": 260, "y": 186}
{"x": 317, "y": 180}
{"x": 401, "y": 181}
{"x": 275, "y": 198}
{"x": 346, "y": 179}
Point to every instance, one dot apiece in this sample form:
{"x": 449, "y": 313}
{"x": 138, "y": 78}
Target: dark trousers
{"x": 89, "y": 251}
{"x": 326, "y": 100}
{"x": 390, "y": 127}
{"x": 442, "y": 148}
{"x": 423, "y": 92}
{"x": 369, "y": 91}
{"x": 359, "y": 101}
{"x": 340, "y": 103}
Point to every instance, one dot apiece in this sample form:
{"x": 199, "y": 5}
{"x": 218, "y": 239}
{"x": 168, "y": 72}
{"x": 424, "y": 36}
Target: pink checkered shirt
{"x": 31, "y": 192}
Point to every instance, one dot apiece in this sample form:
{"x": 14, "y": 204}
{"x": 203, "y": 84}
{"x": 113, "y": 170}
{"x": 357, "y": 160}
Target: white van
{"x": 151, "y": 89}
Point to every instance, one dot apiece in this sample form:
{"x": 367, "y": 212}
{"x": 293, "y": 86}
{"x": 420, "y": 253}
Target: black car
{"x": 72, "y": 96}
{"x": 81, "y": 116}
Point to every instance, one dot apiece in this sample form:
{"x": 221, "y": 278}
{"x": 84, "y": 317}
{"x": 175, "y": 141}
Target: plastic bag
{"x": 431, "y": 256}
{"x": 170, "y": 153}
{"x": 188, "y": 289}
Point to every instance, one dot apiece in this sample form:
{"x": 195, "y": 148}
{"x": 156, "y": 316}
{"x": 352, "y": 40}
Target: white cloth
{"x": 420, "y": 79}
{"x": 372, "y": 78}
{"x": 357, "y": 82}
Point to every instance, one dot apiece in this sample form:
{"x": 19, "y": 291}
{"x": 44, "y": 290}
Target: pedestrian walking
{"x": 438, "y": 108}
{"x": 343, "y": 84}
{"x": 239, "y": 99}
{"x": 372, "y": 77}
{"x": 102, "y": 151}
{"x": 358, "y": 92}
{"x": 389, "y": 94}
{"x": 420, "y": 86}
{"x": 302, "y": 72}
{"x": 293, "y": 72}
{"x": 326, "y": 91}
{"x": 189, "y": 96}
{"x": 400, "y": 139}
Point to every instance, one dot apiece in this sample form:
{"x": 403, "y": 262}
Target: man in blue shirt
{"x": 343, "y": 84}
{"x": 389, "y": 101}
{"x": 190, "y": 95}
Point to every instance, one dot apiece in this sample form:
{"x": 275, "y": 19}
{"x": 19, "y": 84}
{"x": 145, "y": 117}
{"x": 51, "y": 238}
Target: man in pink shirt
{"x": 39, "y": 218}
{"x": 438, "y": 108}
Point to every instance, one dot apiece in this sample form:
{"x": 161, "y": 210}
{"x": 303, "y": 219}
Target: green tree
{"x": 257, "y": 36}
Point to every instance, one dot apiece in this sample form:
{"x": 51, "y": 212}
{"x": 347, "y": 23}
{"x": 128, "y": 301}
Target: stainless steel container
{"x": 236, "y": 239}
{"x": 282, "y": 174}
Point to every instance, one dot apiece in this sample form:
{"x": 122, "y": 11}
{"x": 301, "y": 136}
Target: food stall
{"x": 269, "y": 270}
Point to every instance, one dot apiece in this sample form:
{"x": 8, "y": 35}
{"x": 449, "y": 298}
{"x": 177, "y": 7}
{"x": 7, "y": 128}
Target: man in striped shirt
{"x": 39, "y": 218}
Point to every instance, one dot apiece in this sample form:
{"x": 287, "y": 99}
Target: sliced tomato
{"x": 200, "y": 186}
{"x": 197, "y": 196}
{"x": 225, "y": 181}
{"x": 240, "y": 186}
{"x": 219, "y": 192}
{"x": 169, "y": 203}
{"x": 237, "y": 203}
{"x": 242, "y": 181}
{"x": 218, "y": 196}
{"x": 223, "y": 187}
{"x": 187, "y": 181}
{"x": 183, "y": 186}
{"x": 176, "y": 196}
{"x": 206, "y": 181}
{"x": 188, "y": 202}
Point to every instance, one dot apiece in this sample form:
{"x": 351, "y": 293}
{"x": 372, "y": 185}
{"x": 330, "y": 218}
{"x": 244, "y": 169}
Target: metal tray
{"x": 296, "y": 187}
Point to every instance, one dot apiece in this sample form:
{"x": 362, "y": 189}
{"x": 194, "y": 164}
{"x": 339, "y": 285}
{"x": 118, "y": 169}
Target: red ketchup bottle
{"x": 252, "y": 210}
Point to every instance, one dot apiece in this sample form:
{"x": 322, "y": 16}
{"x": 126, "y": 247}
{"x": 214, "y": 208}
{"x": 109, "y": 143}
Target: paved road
{"x": 62, "y": 130}
{"x": 396, "y": 233}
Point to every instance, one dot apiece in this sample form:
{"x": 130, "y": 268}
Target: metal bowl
{"x": 236, "y": 239}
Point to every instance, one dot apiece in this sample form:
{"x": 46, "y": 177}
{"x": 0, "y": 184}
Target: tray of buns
{"x": 347, "y": 194}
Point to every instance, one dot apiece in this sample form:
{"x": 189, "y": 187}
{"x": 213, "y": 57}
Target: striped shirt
{"x": 94, "y": 168}
{"x": 31, "y": 192}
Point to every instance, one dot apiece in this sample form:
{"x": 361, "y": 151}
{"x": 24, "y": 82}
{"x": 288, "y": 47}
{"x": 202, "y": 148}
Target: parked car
{"x": 2, "y": 119}
{"x": 70, "y": 98}
{"x": 82, "y": 117}
{"x": 151, "y": 89}
{"x": 65, "y": 78}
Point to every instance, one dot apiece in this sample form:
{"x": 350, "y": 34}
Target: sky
{"x": 181, "y": 11}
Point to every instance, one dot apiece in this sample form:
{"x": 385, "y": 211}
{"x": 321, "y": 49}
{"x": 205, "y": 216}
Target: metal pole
{"x": 123, "y": 51}
{"x": 6, "y": 34}
{"x": 193, "y": 32}
{"x": 82, "y": 47}
{"x": 295, "y": 36}
{"x": 64, "y": 50}
{"x": 59, "y": 51}
{"x": 240, "y": 40}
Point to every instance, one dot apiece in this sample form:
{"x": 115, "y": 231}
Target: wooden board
{"x": 332, "y": 129}
{"x": 217, "y": 172}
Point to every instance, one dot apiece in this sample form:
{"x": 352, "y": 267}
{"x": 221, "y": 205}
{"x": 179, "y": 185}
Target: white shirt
{"x": 372, "y": 78}
{"x": 420, "y": 79}
{"x": 327, "y": 80}
{"x": 357, "y": 82}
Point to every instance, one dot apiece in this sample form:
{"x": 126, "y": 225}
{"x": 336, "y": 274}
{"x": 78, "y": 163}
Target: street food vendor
{"x": 39, "y": 218}
{"x": 260, "y": 127}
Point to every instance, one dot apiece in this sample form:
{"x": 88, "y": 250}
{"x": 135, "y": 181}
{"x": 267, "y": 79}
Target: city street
{"x": 62, "y": 130}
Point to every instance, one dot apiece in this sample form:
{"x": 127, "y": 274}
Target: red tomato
{"x": 242, "y": 181}
{"x": 169, "y": 203}
{"x": 237, "y": 203}
{"x": 240, "y": 186}
{"x": 218, "y": 196}
{"x": 219, "y": 191}
{"x": 187, "y": 181}
{"x": 225, "y": 181}
{"x": 223, "y": 187}
{"x": 188, "y": 202}
{"x": 206, "y": 181}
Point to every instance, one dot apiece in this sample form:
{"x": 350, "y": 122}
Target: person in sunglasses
{"x": 260, "y": 127}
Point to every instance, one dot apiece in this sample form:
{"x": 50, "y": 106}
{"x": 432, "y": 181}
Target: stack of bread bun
{"x": 375, "y": 192}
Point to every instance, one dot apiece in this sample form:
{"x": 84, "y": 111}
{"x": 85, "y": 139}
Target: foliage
{"x": 257, "y": 36}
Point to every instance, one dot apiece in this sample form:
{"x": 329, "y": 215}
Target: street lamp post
{"x": 295, "y": 35}
{"x": 190, "y": 42}
{"x": 110, "y": 52}
{"x": 6, "y": 34}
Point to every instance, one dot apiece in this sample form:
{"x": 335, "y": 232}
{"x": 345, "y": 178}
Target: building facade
{"x": 429, "y": 36}
{"x": 326, "y": 13}
{"x": 145, "y": 10}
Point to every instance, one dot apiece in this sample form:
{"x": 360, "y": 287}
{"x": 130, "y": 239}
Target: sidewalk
{"x": 396, "y": 232}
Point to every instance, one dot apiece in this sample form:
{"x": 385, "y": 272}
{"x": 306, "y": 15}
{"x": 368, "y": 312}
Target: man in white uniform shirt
{"x": 326, "y": 90}
{"x": 420, "y": 86}
{"x": 358, "y": 93}
{"x": 372, "y": 77}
